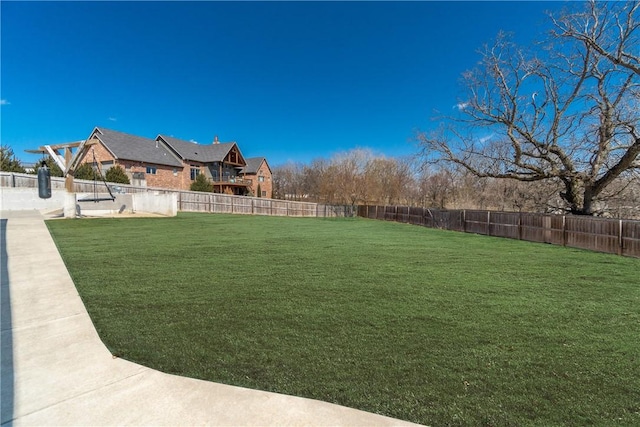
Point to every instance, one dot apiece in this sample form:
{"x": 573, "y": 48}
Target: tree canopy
{"x": 86, "y": 171}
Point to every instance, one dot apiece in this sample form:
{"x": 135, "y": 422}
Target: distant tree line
{"x": 359, "y": 177}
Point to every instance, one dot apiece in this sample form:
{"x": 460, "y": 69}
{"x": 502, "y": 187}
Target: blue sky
{"x": 291, "y": 81}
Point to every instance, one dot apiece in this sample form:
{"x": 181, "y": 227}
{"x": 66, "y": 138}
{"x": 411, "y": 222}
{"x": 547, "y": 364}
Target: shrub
{"x": 85, "y": 171}
{"x": 54, "y": 169}
{"x": 8, "y": 161}
{"x": 117, "y": 174}
{"x": 201, "y": 183}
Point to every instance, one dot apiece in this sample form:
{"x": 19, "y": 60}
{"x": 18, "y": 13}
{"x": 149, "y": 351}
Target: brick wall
{"x": 164, "y": 177}
{"x": 101, "y": 153}
{"x": 266, "y": 186}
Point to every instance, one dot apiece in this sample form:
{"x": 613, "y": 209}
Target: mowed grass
{"x": 435, "y": 327}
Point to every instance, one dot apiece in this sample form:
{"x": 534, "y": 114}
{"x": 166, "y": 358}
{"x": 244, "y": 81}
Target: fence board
{"x": 593, "y": 233}
{"x": 416, "y": 215}
{"x": 505, "y": 224}
{"x": 477, "y": 222}
{"x": 630, "y": 238}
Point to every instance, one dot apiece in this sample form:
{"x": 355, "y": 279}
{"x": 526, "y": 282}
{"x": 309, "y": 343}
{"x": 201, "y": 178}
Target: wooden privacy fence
{"x": 617, "y": 236}
{"x": 193, "y": 201}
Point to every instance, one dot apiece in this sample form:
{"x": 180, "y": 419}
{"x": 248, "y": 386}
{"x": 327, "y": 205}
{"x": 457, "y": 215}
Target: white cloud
{"x": 4, "y": 102}
{"x": 486, "y": 138}
{"x": 461, "y": 105}
{"x": 113, "y": 119}
{"x": 194, "y": 141}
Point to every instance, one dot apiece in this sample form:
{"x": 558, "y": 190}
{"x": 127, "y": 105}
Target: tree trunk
{"x": 577, "y": 205}
{"x": 587, "y": 201}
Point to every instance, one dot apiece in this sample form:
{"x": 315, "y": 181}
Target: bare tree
{"x": 388, "y": 181}
{"x": 437, "y": 188}
{"x": 567, "y": 112}
{"x": 347, "y": 176}
{"x": 315, "y": 182}
{"x": 288, "y": 182}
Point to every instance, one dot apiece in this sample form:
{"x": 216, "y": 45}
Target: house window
{"x": 261, "y": 178}
{"x": 264, "y": 194}
{"x": 151, "y": 170}
{"x": 194, "y": 173}
{"x": 175, "y": 172}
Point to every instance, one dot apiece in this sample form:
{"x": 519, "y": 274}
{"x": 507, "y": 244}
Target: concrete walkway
{"x": 56, "y": 371}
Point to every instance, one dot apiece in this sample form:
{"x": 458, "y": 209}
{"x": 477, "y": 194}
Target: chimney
{"x": 215, "y": 140}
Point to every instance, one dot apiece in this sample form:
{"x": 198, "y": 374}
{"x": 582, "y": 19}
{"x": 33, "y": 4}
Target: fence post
{"x": 520, "y": 225}
{"x": 488, "y": 223}
{"x": 564, "y": 231}
{"x": 464, "y": 220}
{"x": 620, "y": 238}
{"x": 13, "y": 180}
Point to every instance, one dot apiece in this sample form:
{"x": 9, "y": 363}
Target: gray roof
{"x": 198, "y": 152}
{"x": 130, "y": 147}
{"x": 253, "y": 164}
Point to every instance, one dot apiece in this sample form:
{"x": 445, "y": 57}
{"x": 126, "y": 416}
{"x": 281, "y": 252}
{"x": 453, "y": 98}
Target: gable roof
{"x": 253, "y": 165}
{"x": 130, "y": 147}
{"x": 199, "y": 152}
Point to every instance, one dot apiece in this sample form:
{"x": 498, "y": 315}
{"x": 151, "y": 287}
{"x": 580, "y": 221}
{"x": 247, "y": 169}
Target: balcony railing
{"x": 231, "y": 181}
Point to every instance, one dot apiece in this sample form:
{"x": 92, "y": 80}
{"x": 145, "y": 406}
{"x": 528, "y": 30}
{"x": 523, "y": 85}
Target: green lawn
{"x": 435, "y": 327}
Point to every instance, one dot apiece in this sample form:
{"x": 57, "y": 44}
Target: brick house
{"x": 146, "y": 162}
{"x": 169, "y": 162}
{"x": 258, "y": 173}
